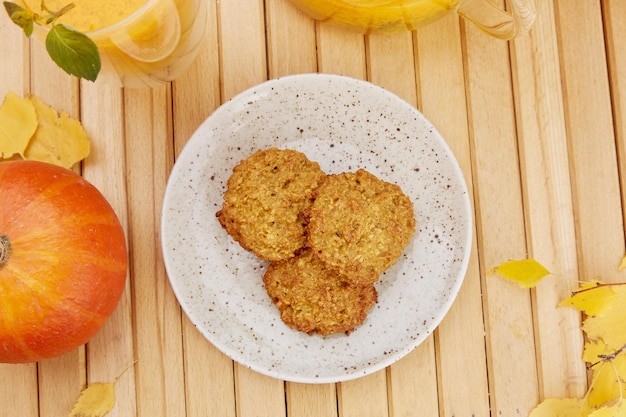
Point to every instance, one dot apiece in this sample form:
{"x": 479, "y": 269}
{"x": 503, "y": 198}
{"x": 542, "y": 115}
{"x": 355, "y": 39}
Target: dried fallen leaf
{"x": 591, "y": 298}
{"x": 561, "y": 407}
{"x": 98, "y": 398}
{"x": 526, "y": 272}
{"x": 609, "y": 323}
{"x": 605, "y": 306}
{"x": 95, "y": 401}
{"x": 59, "y": 139}
{"x": 617, "y": 410}
{"x": 18, "y": 122}
{"x": 605, "y": 346}
{"x": 606, "y": 382}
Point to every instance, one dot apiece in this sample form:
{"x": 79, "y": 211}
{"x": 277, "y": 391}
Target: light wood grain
{"x": 591, "y": 136}
{"x": 341, "y": 51}
{"x": 462, "y": 376}
{"x": 311, "y": 399}
{"x": 500, "y": 232}
{"x": 159, "y": 367}
{"x": 548, "y": 198}
{"x": 15, "y": 52}
{"x": 19, "y": 389}
{"x": 291, "y": 45}
{"x": 613, "y": 13}
{"x": 537, "y": 126}
{"x": 112, "y": 349}
{"x": 242, "y": 42}
{"x": 364, "y": 397}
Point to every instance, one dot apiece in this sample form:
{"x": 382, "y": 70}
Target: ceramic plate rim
{"x": 197, "y": 140}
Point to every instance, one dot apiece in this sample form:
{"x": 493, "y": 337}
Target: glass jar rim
{"x": 128, "y": 20}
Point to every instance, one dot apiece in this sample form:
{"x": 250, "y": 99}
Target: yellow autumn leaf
{"x": 95, "y": 401}
{"x": 617, "y": 410}
{"x": 591, "y": 298}
{"x": 595, "y": 350}
{"x": 607, "y": 383}
{"x": 561, "y": 407}
{"x": 605, "y": 305}
{"x": 18, "y": 122}
{"x": 526, "y": 272}
{"x": 59, "y": 139}
{"x": 609, "y": 324}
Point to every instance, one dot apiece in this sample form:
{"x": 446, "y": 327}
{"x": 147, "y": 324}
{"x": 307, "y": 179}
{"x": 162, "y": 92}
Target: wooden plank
{"x": 463, "y": 385}
{"x": 391, "y": 64}
{"x": 291, "y": 45}
{"x": 243, "y": 58}
{"x": 614, "y": 14}
{"x": 15, "y": 50}
{"x": 548, "y": 199}
{"x": 341, "y": 51}
{"x": 158, "y": 342}
{"x": 364, "y": 397}
{"x": 196, "y": 93}
{"x": 258, "y": 395}
{"x": 111, "y": 350}
{"x": 60, "y": 382}
{"x": 500, "y": 232}
{"x": 319, "y": 400}
{"x": 589, "y": 123}
{"x": 19, "y": 390}
{"x": 209, "y": 380}
{"x": 412, "y": 383}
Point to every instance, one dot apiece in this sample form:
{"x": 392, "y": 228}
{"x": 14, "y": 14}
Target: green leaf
{"x": 74, "y": 52}
{"x": 20, "y": 16}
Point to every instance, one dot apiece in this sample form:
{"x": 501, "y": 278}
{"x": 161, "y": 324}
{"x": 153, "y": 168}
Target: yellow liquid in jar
{"x": 152, "y": 48}
{"x": 89, "y": 15}
{"x": 377, "y": 14}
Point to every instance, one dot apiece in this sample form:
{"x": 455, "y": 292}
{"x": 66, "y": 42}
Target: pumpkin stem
{"x": 5, "y": 249}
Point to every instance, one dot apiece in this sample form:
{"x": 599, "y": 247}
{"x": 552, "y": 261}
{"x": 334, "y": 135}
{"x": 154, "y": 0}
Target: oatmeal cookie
{"x": 267, "y": 193}
{"x": 314, "y": 299}
{"x": 359, "y": 225}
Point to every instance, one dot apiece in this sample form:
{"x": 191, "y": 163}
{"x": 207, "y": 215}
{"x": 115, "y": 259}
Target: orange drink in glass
{"x": 391, "y": 15}
{"x": 142, "y": 43}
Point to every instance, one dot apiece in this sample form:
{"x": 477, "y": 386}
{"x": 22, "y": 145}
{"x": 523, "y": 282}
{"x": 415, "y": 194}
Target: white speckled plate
{"x": 344, "y": 124}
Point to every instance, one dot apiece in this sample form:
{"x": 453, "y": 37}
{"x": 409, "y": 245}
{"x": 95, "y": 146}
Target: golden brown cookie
{"x": 267, "y": 193}
{"x": 359, "y": 225}
{"x": 314, "y": 299}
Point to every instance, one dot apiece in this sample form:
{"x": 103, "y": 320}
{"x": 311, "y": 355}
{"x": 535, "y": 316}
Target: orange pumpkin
{"x": 63, "y": 261}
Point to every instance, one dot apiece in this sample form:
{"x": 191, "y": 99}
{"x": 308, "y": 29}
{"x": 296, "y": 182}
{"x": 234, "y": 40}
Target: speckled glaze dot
{"x": 343, "y": 124}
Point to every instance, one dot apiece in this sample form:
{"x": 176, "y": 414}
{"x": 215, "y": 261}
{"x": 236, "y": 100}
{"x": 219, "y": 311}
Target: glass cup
{"x": 151, "y": 46}
{"x": 393, "y": 15}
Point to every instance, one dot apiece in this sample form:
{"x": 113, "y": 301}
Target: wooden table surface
{"x": 538, "y": 126}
